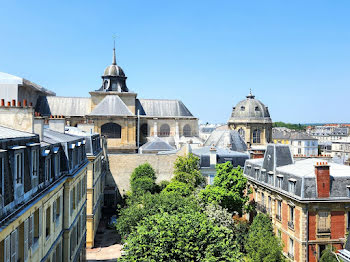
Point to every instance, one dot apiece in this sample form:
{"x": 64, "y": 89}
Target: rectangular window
{"x": 211, "y": 179}
{"x": 291, "y": 248}
{"x": 270, "y": 179}
{"x": 279, "y": 210}
{"x": 269, "y": 205}
{"x": 48, "y": 169}
{"x": 291, "y": 217}
{"x": 263, "y": 199}
{"x": 57, "y": 165}
{"x": 14, "y": 246}
{"x": 48, "y": 222}
{"x": 18, "y": 168}
{"x": 31, "y": 231}
{"x": 1, "y": 175}
{"x": 291, "y": 186}
{"x": 299, "y": 151}
{"x": 323, "y": 222}
{"x": 34, "y": 164}
{"x": 279, "y": 182}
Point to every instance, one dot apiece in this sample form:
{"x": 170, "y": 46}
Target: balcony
{"x": 291, "y": 225}
{"x": 261, "y": 208}
{"x": 291, "y": 256}
{"x": 278, "y": 217}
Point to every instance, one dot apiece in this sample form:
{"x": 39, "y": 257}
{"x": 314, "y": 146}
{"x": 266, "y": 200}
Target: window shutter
{"x": 40, "y": 221}
{"x": 71, "y": 201}
{"x": 14, "y": 245}
{"x": 7, "y": 249}
{"x": 25, "y": 240}
{"x": 30, "y": 231}
{"x": 54, "y": 211}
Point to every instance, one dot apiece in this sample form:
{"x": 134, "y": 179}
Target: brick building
{"x": 307, "y": 200}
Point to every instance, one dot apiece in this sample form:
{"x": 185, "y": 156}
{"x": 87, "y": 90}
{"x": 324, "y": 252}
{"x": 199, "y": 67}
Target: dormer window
{"x": 48, "y": 169}
{"x": 35, "y": 162}
{"x": 291, "y": 186}
{"x": 19, "y": 168}
{"x": 242, "y": 108}
{"x": 279, "y": 181}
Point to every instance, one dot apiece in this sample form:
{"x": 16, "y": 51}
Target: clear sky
{"x": 294, "y": 55}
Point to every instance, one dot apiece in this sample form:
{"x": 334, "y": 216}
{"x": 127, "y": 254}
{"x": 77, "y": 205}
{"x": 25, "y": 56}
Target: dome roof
{"x": 114, "y": 70}
{"x": 249, "y": 110}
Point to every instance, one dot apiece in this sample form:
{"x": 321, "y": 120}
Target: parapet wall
{"x": 122, "y": 165}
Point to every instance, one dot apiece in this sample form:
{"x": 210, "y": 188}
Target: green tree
{"x": 179, "y": 187}
{"x": 144, "y": 170}
{"x": 140, "y": 207}
{"x": 143, "y": 179}
{"x": 186, "y": 170}
{"x": 328, "y": 254}
{"x": 228, "y": 190}
{"x": 181, "y": 237}
{"x": 261, "y": 244}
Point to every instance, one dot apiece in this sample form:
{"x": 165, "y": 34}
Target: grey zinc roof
{"x": 111, "y": 105}
{"x": 52, "y": 137}
{"x": 226, "y": 138}
{"x": 291, "y": 135}
{"x": 162, "y": 108}
{"x": 6, "y": 133}
{"x": 66, "y": 106}
{"x": 11, "y": 79}
{"x": 157, "y": 144}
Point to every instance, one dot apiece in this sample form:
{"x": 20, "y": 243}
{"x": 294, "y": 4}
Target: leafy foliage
{"x": 219, "y": 215}
{"x": 228, "y": 190}
{"x": 181, "y": 237}
{"x": 147, "y": 205}
{"x": 186, "y": 170}
{"x": 179, "y": 187}
{"x": 143, "y": 179}
{"x": 261, "y": 244}
{"x": 328, "y": 254}
{"x": 144, "y": 170}
{"x": 290, "y": 126}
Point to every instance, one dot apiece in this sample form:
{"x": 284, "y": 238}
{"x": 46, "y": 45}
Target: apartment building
{"x": 96, "y": 173}
{"x": 42, "y": 190}
{"x": 307, "y": 200}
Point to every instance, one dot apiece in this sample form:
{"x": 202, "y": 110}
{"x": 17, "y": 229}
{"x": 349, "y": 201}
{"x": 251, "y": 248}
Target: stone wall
{"x": 122, "y": 165}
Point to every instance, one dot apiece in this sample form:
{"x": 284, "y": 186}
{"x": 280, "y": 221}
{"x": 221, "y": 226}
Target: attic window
{"x": 242, "y": 108}
{"x": 257, "y": 108}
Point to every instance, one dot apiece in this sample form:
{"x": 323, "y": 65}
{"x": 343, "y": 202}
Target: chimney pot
{"x": 13, "y": 102}
{"x": 25, "y": 102}
{"x": 2, "y": 102}
{"x": 19, "y": 103}
{"x": 8, "y": 103}
{"x": 31, "y": 104}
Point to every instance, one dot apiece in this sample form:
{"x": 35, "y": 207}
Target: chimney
{"x": 322, "y": 179}
{"x": 57, "y": 124}
{"x": 39, "y": 127}
{"x": 212, "y": 155}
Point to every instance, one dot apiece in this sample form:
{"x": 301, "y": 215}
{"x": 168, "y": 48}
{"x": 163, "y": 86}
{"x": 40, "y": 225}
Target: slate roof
{"x": 278, "y": 163}
{"x": 66, "y": 106}
{"x": 156, "y": 144}
{"x": 51, "y": 136}
{"x": 162, "y": 108}
{"x": 111, "y": 105}
{"x": 292, "y": 135}
{"x": 6, "y": 133}
{"x": 225, "y": 139}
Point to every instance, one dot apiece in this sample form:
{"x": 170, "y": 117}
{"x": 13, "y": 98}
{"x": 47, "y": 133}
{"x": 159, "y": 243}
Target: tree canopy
{"x": 261, "y": 244}
{"x": 228, "y": 190}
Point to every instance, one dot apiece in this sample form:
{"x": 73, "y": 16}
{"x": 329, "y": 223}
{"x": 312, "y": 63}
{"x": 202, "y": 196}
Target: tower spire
{"x": 114, "y": 60}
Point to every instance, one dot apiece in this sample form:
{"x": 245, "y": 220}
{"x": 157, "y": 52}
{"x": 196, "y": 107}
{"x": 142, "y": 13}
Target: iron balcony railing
{"x": 291, "y": 224}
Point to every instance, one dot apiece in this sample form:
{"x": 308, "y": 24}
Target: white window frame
{"x": 34, "y": 162}
{"x": 19, "y": 177}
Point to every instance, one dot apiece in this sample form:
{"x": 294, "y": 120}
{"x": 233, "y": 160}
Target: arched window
{"x": 187, "y": 130}
{"x": 111, "y": 130}
{"x": 241, "y": 133}
{"x": 256, "y": 136}
{"x": 144, "y": 129}
{"x": 164, "y": 130}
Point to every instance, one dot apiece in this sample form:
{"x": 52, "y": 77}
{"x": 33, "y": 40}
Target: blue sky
{"x": 294, "y": 55}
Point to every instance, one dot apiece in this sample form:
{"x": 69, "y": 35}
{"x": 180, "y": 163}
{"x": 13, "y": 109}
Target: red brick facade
{"x": 312, "y": 226}
{"x": 337, "y": 224}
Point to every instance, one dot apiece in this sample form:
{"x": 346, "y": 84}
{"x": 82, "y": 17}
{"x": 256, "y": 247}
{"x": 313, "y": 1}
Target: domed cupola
{"x": 250, "y": 110}
{"x": 114, "y": 78}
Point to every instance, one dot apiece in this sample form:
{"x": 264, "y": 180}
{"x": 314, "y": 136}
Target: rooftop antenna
{"x": 114, "y": 59}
